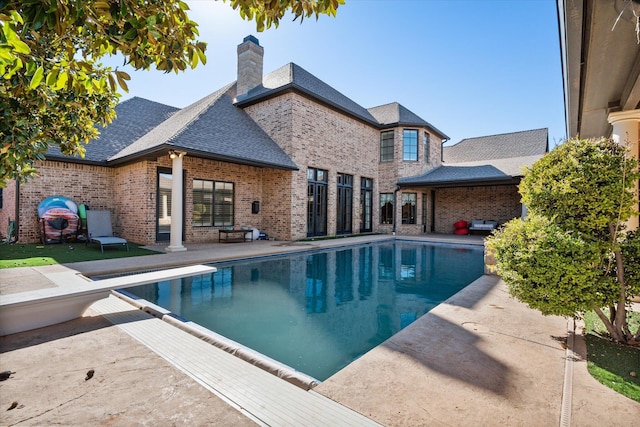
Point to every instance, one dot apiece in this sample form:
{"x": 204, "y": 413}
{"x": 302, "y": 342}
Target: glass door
{"x": 366, "y": 204}
{"x": 344, "y": 203}
{"x": 163, "y": 209}
{"x": 424, "y": 212}
{"x": 316, "y": 202}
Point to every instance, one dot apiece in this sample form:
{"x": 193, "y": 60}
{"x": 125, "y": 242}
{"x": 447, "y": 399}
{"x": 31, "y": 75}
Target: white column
{"x": 626, "y": 126}
{"x": 175, "y": 242}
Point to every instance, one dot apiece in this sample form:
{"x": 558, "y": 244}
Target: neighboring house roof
{"x": 516, "y": 144}
{"x": 493, "y": 171}
{"x": 135, "y": 118}
{"x": 485, "y": 160}
{"x": 212, "y": 128}
{"x": 394, "y": 114}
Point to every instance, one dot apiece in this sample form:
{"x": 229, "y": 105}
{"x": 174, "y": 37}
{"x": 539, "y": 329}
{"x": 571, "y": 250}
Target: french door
{"x": 316, "y": 202}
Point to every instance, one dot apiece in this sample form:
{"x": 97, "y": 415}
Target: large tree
{"x": 572, "y": 252}
{"x": 53, "y": 89}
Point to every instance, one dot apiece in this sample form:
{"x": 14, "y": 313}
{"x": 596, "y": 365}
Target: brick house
{"x": 286, "y": 154}
{"x": 477, "y": 180}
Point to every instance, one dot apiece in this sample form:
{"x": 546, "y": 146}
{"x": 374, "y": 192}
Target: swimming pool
{"x": 318, "y": 311}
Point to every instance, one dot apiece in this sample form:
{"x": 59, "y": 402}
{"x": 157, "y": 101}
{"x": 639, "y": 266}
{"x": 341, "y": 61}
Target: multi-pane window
{"x": 410, "y": 144}
{"x": 212, "y": 203}
{"x": 344, "y": 203}
{"x": 386, "y": 208}
{"x": 386, "y": 146}
{"x": 426, "y": 147}
{"x": 409, "y": 202}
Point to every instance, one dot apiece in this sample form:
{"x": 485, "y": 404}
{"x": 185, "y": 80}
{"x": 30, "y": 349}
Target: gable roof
{"x": 212, "y": 128}
{"x": 507, "y": 145}
{"x": 135, "y": 118}
{"x": 293, "y": 77}
{"x": 494, "y": 159}
{"x": 216, "y": 126}
{"x": 394, "y": 114}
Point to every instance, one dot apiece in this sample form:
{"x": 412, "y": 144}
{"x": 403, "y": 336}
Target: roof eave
{"x": 292, "y": 87}
{"x": 163, "y": 149}
{"x": 463, "y": 183}
{"x": 73, "y": 159}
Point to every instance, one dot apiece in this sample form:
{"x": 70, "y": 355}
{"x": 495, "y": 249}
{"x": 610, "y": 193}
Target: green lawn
{"x": 32, "y": 255}
{"x": 614, "y": 365}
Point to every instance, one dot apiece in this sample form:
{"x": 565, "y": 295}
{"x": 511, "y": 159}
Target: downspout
{"x": 395, "y": 211}
{"x": 442, "y": 149}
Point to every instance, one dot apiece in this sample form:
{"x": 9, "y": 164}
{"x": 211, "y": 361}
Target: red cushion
{"x": 460, "y": 224}
{"x": 461, "y": 231}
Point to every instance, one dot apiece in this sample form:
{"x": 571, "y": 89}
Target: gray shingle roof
{"x": 486, "y": 159}
{"x": 394, "y": 114}
{"x": 135, "y": 117}
{"x": 292, "y": 76}
{"x": 515, "y": 144}
{"x": 469, "y": 172}
{"x": 212, "y": 127}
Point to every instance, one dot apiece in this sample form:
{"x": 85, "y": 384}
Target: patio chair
{"x": 99, "y": 229}
{"x": 11, "y": 234}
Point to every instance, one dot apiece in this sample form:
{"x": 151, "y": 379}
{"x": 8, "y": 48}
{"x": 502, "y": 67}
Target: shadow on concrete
{"x": 88, "y": 323}
{"x": 453, "y": 350}
{"x": 470, "y": 295}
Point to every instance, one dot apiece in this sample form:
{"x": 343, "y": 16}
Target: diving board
{"x": 44, "y": 307}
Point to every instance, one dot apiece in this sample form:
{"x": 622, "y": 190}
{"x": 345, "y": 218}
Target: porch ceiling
{"x": 601, "y": 62}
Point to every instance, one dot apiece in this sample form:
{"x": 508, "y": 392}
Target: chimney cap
{"x": 252, "y": 39}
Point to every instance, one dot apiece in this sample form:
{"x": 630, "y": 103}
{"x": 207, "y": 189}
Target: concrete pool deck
{"x": 481, "y": 358}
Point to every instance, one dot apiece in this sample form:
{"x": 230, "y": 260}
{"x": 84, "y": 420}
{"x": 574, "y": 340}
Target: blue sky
{"x": 469, "y": 67}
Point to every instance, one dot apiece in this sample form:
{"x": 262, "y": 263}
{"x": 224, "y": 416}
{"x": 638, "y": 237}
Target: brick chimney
{"x": 250, "y": 55}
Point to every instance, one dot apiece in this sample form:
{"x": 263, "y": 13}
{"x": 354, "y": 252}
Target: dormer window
{"x": 410, "y": 145}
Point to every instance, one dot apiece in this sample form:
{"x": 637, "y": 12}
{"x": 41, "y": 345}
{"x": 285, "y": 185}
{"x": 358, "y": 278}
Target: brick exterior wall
{"x": 499, "y": 203}
{"x": 319, "y": 137}
{"x": 86, "y": 184}
{"x": 389, "y": 172}
{"x": 247, "y": 187}
{"x": 130, "y": 193}
{"x": 313, "y": 135}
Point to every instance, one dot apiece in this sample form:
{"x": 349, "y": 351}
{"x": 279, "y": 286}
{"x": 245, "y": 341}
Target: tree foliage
{"x": 269, "y": 12}
{"x": 572, "y": 252}
{"x": 53, "y": 89}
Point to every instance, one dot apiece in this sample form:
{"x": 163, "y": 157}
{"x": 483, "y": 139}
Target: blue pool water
{"x": 319, "y": 311}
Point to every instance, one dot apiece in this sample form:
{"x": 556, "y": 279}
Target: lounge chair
{"x": 99, "y": 229}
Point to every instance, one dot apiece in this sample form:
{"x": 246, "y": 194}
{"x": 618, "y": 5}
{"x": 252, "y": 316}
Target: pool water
{"x": 319, "y": 311}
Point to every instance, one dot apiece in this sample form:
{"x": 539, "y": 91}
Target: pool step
{"x": 261, "y": 396}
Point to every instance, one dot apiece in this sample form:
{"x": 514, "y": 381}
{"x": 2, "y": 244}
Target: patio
{"x": 479, "y": 358}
